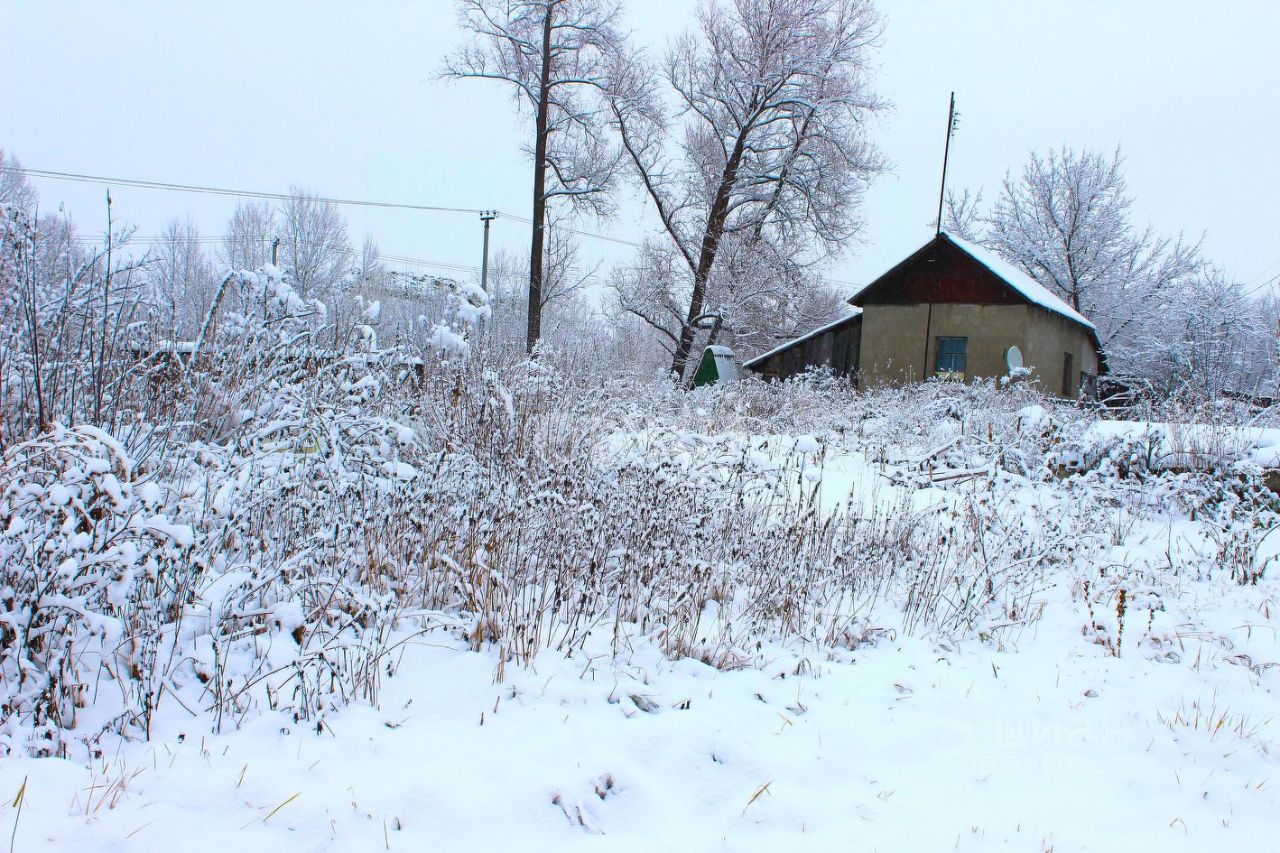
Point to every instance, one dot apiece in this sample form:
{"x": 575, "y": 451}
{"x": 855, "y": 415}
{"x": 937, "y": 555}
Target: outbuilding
{"x": 718, "y": 365}
{"x": 951, "y": 310}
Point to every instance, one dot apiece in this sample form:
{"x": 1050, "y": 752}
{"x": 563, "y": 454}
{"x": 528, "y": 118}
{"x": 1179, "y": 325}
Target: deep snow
{"x": 901, "y": 745}
{"x": 1043, "y": 740}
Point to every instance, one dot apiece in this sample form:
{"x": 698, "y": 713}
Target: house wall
{"x": 942, "y": 291}
{"x": 1051, "y": 336}
{"x": 894, "y": 339}
{"x": 894, "y": 342}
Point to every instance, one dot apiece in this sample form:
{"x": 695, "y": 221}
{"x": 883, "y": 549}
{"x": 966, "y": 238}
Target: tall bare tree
{"x": 557, "y": 55}
{"x": 771, "y": 101}
{"x": 180, "y": 280}
{"x": 1066, "y": 221}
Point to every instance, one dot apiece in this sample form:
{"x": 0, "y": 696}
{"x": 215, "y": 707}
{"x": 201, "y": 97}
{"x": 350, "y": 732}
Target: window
{"x": 1068, "y": 375}
{"x": 951, "y": 358}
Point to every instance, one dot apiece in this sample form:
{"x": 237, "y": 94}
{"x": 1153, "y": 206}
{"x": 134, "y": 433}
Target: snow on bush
{"x": 280, "y": 518}
{"x": 93, "y": 573}
{"x": 360, "y": 502}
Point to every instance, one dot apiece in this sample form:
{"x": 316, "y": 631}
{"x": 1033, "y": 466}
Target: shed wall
{"x": 837, "y": 348}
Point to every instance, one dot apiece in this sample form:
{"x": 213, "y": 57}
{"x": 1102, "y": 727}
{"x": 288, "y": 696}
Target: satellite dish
{"x": 1013, "y": 359}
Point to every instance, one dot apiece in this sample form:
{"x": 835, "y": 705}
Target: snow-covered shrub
{"x": 92, "y": 569}
{"x": 71, "y": 329}
{"x": 341, "y": 500}
{"x": 1239, "y": 526}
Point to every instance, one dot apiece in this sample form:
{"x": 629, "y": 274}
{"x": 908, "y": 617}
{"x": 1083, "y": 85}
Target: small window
{"x": 951, "y": 359}
{"x": 1068, "y": 375}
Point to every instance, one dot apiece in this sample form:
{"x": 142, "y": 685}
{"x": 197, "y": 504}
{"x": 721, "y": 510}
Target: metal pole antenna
{"x": 946, "y": 154}
{"x": 486, "y": 216}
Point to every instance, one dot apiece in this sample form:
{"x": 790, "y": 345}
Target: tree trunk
{"x": 539, "y": 187}
{"x": 716, "y": 218}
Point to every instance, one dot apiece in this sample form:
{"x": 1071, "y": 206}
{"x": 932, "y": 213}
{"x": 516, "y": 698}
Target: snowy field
{"x": 904, "y": 628}
{"x": 308, "y": 546}
{"x": 901, "y": 745}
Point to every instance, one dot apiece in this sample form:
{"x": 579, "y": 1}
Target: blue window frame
{"x": 951, "y": 358}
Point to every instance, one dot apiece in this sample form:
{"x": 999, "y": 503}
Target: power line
{"x": 157, "y": 240}
{"x": 1262, "y": 277}
{"x": 192, "y": 188}
{"x": 579, "y": 232}
{"x": 635, "y": 245}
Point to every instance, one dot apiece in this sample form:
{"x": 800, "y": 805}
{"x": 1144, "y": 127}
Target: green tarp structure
{"x": 718, "y": 364}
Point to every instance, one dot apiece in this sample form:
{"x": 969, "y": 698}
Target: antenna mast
{"x": 946, "y": 153}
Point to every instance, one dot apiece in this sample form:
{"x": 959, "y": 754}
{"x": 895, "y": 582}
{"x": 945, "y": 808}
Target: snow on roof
{"x": 726, "y": 363}
{"x": 857, "y": 312}
{"x": 1031, "y": 289}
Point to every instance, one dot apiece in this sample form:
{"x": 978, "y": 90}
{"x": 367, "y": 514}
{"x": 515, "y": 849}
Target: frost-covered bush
{"x": 92, "y": 569}
{"x": 229, "y": 556}
{"x": 281, "y": 516}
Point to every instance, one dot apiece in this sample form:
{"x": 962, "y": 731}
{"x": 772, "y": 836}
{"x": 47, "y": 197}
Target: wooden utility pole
{"x": 486, "y": 216}
{"x": 942, "y": 194}
{"x": 946, "y": 154}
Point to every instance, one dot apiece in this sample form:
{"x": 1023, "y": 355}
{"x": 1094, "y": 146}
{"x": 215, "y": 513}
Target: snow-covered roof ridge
{"x": 1027, "y": 286}
{"x": 857, "y": 312}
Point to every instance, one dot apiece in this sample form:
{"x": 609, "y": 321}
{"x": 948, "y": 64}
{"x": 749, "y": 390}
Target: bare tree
{"x": 1213, "y": 338}
{"x": 15, "y": 189}
{"x": 565, "y": 275}
{"x": 558, "y": 56}
{"x": 772, "y": 101}
{"x": 651, "y": 288}
{"x": 1066, "y": 221}
{"x": 762, "y": 296}
{"x": 180, "y": 279}
{"x": 368, "y": 267}
{"x": 963, "y": 215}
{"x": 314, "y": 244}
{"x": 249, "y": 237}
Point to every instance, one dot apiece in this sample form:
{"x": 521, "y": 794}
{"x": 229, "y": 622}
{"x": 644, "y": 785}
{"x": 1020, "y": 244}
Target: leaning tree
{"x": 752, "y": 133}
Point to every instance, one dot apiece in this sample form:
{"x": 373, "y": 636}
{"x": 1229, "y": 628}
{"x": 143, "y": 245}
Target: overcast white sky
{"x": 342, "y": 98}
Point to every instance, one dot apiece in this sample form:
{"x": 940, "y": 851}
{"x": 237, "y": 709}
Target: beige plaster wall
{"x": 894, "y": 342}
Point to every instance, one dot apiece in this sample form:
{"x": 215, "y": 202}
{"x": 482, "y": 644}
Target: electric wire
{"x": 277, "y": 196}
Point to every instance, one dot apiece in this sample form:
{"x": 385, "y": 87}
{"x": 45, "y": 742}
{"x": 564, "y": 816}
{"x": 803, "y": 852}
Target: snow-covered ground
{"x": 1105, "y": 721}
{"x": 900, "y": 745}
{"x": 1172, "y": 445}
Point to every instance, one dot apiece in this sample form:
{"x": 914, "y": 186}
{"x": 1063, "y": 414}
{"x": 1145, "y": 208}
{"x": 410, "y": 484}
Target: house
{"x": 950, "y": 310}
